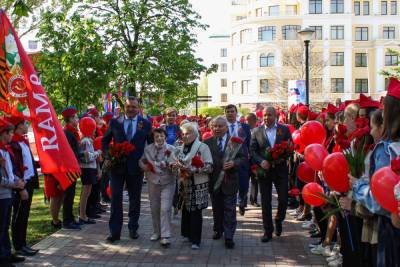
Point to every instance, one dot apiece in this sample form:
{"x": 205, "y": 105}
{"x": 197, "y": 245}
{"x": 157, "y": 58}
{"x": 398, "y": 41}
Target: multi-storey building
{"x": 348, "y": 50}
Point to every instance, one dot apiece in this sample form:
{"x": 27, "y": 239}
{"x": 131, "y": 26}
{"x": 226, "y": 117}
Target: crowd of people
{"x": 187, "y": 161}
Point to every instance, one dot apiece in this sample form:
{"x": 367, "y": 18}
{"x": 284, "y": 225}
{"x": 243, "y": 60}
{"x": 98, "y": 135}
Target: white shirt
{"x": 223, "y": 141}
{"x": 271, "y": 134}
{"x": 27, "y": 160}
{"x": 9, "y": 168}
{"x": 235, "y": 129}
{"x": 134, "y": 122}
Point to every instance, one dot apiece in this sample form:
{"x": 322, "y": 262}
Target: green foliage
{"x": 393, "y": 71}
{"x": 75, "y": 67}
{"x": 209, "y": 111}
{"x": 154, "y": 43}
{"x": 244, "y": 111}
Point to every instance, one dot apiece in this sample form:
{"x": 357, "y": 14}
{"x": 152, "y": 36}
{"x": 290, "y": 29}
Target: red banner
{"x": 21, "y": 89}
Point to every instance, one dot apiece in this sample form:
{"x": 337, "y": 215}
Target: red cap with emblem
{"x": 394, "y": 88}
{"x": 303, "y": 110}
{"x": 69, "y": 111}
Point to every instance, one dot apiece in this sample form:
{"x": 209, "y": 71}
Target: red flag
{"x": 20, "y": 85}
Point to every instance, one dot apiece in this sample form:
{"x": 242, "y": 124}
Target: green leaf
{"x": 21, "y": 9}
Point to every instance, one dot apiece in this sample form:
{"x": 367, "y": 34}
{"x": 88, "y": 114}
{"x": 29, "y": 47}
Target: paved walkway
{"x": 88, "y": 247}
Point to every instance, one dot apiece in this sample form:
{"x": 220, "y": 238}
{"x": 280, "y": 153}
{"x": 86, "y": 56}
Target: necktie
{"x": 129, "y": 132}
{"x": 220, "y": 147}
{"x": 232, "y": 129}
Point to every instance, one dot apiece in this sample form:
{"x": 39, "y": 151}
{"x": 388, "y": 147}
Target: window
{"x": 337, "y": 85}
{"x": 361, "y": 60}
{"x": 245, "y": 87}
{"x": 289, "y": 32}
{"x": 245, "y": 64}
{"x": 389, "y": 33}
{"x": 245, "y": 36}
{"x": 317, "y": 32}
{"x": 267, "y": 60}
{"x": 234, "y": 89}
{"x": 224, "y": 82}
{"x": 224, "y": 98}
{"x": 383, "y": 7}
{"x": 391, "y": 59}
{"x": 315, "y": 7}
{"x": 316, "y": 85}
{"x": 357, "y": 11}
{"x": 366, "y": 8}
{"x": 337, "y": 6}
{"x": 337, "y": 58}
{"x": 361, "y": 86}
{"x": 224, "y": 67}
{"x": 264, "y": 86}
{"x": 266, "y": 33}
{"x": 224, "y": 52}
{"x": 291, "y": 10}
{"x": 259, "y": 12}
{"x": 240, "y": 18}
{"x": 32, "y": 44}
{"x": 393, "y": 8}
{"x": 361, "y": 33}
{"x": 337, "y": 32}
{"x": 273, "y": 10}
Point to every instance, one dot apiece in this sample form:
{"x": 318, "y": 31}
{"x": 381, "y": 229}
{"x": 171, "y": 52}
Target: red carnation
{"x": 149, "y": 166}
{"x": 197, "y": 162}
{"x": 254, "y": 168}
{"x": 237, "y": 140}
{"x": 362, "y": 122}
{"x": 167, "y": 153}
{"x": 395, "y": 165}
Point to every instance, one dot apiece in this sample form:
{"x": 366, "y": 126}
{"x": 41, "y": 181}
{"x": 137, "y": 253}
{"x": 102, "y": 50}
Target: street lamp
{"x": 307, "y": 34}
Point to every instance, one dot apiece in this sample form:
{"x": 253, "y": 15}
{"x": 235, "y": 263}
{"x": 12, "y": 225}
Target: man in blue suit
{"x": 242, "y": 130}
{"x": 135, "y": 129}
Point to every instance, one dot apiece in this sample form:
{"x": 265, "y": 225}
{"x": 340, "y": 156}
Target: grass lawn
{"x": 39, "y": 226}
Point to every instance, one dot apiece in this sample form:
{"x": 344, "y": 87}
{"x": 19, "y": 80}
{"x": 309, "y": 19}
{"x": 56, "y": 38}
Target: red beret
{"x": 394, "y": 88}
{"x": 303, "y": 110}
{"x": 367, "y": 102}
{"x": 15, "y": 120}
{"x": 69, "y": 111}
{"x": 93, "y": 112}
{"x": 108, "y": 116}
{"x": 312, "y": 115}
{"x": 332, "y": 109}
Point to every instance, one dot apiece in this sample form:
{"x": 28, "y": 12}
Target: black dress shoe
{"x": 133, "y": 235}
{"x": 111, "y": 239}
{"x": 266, "y": 238}
{"x": 217, "y": 235}
{"x": 30, "y": 249}
{"x": 15, "y": 258}
{"x": 241, "y": 211}
{"x": 278, "y": 228}
{"x": 56, "y": 225}
{"x": 88, "y": 221}
{"x": 229, "y": 244}
{"x": 72, "y": 226}
{"x": 25, "y": 252}
{"x": 94, "y": 216}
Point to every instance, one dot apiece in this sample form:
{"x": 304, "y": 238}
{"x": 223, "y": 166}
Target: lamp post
{"x": 306, "y": 34}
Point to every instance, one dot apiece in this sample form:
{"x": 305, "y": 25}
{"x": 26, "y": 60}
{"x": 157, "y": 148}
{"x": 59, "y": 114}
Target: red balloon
{"x": 314, "y": 155}
{"x": 108, "y": 191}
{"x": 312, "y": 132}
{"x": 382, "y": 188}
{"x": 87, "y": 126}
{"x": 207, "y": 135}
{"x": 97, "y": 143}
{"x": 305, "y": 173}
{"x": 291, "y": 128}
{"x": 297, "y": 141}
{"x": 312, "y": 194}
{"x": 335, "y": 170}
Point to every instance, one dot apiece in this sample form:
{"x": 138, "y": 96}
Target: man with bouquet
{"x": 123, "y": 162}
{"x": 270, "y": 149}
{"x": 227, "y": 154}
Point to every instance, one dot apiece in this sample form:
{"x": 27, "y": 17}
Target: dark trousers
{"x": 93, "y": 200}
{"x": 281, "y": 185}
{"x": 105, "y": 181}
{"x": 244, "y": 180}
{"x": 350, "y": 230}
{"x": 5, "y": 218}
{"x": 224, "y": 213}
{"x": 322, "y": 224}
{"x": 191, "y": 225}
{"x": 388, "y": 243}
{"x": 134, "y": 185}
{"x": 254, "y": 189}
{"x": 20, "y": 215}
{"x": 369, "y": 254}
{"x": 68, "y": 204}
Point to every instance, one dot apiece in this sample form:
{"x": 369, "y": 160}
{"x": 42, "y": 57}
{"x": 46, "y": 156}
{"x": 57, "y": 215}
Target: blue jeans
{"x": 5, "y": 218}
{"x": 134, "y": 185}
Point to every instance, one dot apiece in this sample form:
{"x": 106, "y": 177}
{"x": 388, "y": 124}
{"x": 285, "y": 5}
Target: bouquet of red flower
{"x": 395, "y": 165}
{"x": 149, "y": 165}
{"x": 279, "y": 153}
{"x": 197, "y": 162}
{"x": 118, "y": 153}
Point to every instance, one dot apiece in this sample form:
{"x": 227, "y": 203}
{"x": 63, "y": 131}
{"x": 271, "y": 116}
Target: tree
{"x": 75, "y": 66}
{"x": 154, "y": 43}
{"x": 393, "y": 71}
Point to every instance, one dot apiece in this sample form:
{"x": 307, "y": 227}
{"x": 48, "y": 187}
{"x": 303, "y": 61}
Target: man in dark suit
{"x": 135, "y": 129}
{"x": 223, "y": 198}
{"x": 242, "y": 130}
{"x": 263, "y": 137}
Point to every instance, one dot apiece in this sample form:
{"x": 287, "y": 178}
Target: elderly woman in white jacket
{"x": 156, "y": 162}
